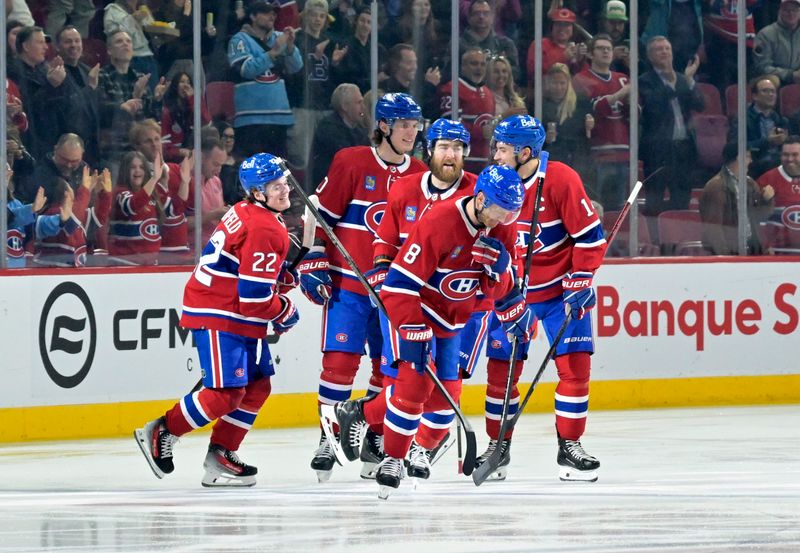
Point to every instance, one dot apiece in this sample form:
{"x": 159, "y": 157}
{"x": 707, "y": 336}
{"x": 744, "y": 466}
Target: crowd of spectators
{"x": 100, "y": 111}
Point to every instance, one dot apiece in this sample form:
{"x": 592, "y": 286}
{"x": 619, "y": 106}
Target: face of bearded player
{"x": 447, "y": 160}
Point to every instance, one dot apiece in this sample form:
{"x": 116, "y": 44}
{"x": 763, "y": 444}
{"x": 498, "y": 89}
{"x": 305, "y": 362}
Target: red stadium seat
{"x": 681, "y": 232}
{"x": 712, "y": 133}
{"x": 620, "y": 246}
{"x": 219, "y": 99}
{"x": 94, "y": 52}
{"x": 694, "y": 199}
{"x": 730, "y": 99}
{"x": 789, "y": 100}
{"x": 712, "y": 99}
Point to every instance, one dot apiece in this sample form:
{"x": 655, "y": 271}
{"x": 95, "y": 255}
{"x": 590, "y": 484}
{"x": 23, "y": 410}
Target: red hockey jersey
{"x": 610, "y": 140}
{"x": 352, "y": 199}
{"x": 787, "y": 188}
{"x": 232, "y": 288}
{"x": 476, "y": 107}
{"x": 134, "y": 230}
{"x": 434, "y": 280}
{"x": 174, "y": 228}
{"x": 409, "y": 199}
{"x": 569, "y": 235}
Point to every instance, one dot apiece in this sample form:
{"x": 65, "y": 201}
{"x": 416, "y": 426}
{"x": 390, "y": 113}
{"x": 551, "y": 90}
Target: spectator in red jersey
{"x": 559, "y": 47}
{"x": 783, "y": 227}
{"x": 609, "y": 93}
{"x": 134, "y": 235}
{"x": 177, "y": 118}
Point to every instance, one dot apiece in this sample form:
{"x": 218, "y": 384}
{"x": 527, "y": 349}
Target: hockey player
{"x": 430, "y": 292}
{"x": 234, "y": 293}
{"x": 568, "y": 250}
{"x": 352, "y": 198}
{"x": 410, "y": 198}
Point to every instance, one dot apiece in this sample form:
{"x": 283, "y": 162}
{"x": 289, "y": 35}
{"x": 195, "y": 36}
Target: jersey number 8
{"x": 412, "y": 253}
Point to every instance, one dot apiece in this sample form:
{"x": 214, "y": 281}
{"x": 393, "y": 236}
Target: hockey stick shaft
{"x": 551, "y": 351}
{"x": 309, "y": 229}
{"x": 491, "y": 464}
{"x": 469, "y": 433}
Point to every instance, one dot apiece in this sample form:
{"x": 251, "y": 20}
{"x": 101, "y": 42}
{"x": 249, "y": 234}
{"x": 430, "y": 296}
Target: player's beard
{"x": 446, "y": 173}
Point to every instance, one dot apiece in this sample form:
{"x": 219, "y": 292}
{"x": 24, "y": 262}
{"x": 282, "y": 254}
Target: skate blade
{"x": 327, "y": 417}
{"x": 569, "y": 474}
{"x": 218, "y": 479}
{"x": 417, "y": 483}
{"x": 142, "y": 441}
{"x": 385, "y": 491}
{"x": 443, "y": 449}
{"x": 323, "y": 475}
{"x": 368, "y": 470}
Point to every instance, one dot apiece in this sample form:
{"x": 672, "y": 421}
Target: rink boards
{"x": 94, "y": 353}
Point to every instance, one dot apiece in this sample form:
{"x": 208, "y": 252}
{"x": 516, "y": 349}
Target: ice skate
{"x": 419, "y": 463}
{"x": 574, "y": 464}
{"x": 439, "y": 451}
{"x": 324, "y": 459}
{"x": 349, "y": 415}
{"x": 388, "y": 475}
{"x": 371, "y": 454}
{"x": 225, "y": 469}
{"x": 156, "y": 443}
{"x": 505, "y": 459}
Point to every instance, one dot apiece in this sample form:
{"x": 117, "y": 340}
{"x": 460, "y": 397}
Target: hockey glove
{"x": 415, "y": 344}
{"x": 375, "y": 278}
{"x": 287, "y": 318}
{"x": 516, "y": 316}
{"x": 288, "y": 279}
{"x": 494, "y": 257}
{"x": 315, "y": 282}
{"x": 578, "y": 292}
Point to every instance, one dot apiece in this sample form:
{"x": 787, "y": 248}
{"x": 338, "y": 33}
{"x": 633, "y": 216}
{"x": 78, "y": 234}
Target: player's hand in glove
{"x": 375, "y": 278}
{"x": 516, "y": 316}
{"x": 288, "y": 279}
{"x": 287, "y": 318}
{"x": 494, "y": 257}
{"x": 578, "y": 292}
{"x": 315, "y": 282}
{"x": 415, "y": 344}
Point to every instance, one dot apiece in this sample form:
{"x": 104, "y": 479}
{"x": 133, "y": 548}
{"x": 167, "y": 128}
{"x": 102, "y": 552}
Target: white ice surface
{"x": 682, "y": 480}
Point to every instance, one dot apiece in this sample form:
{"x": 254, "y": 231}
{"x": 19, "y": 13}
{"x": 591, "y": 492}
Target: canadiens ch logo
{"x": 341, "y": 337}
{"x": 239, "y": 372}
{"x": 149, "y": 230}
{"x": 459, "y": 285}
{"x": 373, "y": 216}
{"x": 14, "y": 240}
{"x": 411, "y": 213}
{"x": 791, "y": 217}
{"x": 369, "y": 182}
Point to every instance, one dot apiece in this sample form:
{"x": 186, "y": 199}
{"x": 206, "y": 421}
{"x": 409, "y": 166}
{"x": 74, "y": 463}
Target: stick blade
{"x": 488, "y": 467}
{"x": 471, "y": 454}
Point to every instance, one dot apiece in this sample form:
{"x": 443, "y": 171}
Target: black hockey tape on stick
{"x": 493, "y": 462}
{"x": 472, "y": 446}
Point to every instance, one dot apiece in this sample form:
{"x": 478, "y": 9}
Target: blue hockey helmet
{"x": 501, "y": 186}
{"x": 397, "y": 105}
{"x": 447, "y": 130}
{"x": 521, "y": 131}
{"x": 257, "y": 171}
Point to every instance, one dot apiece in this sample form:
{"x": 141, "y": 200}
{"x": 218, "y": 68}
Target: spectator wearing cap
{"x": 480, "y": 33}
{"x": 719, "y": 207}
{"x": 614, "y": 23}
{"x": 558, "y": 47}
{"x": 681, "y": 22}
{"x": 36, "y": 81}
{"x": 260, "y": 57}
{"x": 777, "y": 46}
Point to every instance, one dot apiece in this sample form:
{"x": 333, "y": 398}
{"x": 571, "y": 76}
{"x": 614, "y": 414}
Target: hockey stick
{"x": 490, "y": 465}
{"x": 611, "y": 235}
{"x": 472, "y": 446}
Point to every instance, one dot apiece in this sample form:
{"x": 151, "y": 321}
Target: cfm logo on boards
{"x": 67, "y": 335}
